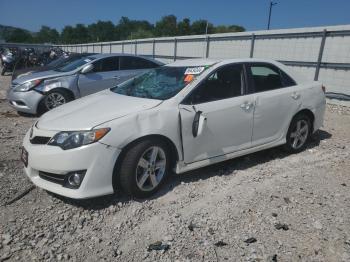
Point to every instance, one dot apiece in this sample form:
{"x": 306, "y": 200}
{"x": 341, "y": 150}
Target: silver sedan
{"x": 43, "y": 91}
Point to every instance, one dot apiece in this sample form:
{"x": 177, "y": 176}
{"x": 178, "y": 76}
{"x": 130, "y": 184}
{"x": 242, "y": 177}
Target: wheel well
{"x": 173, "y": 151}
{"x": 65, "y": 90}
{"x": 308, "y": 113}
{"x": 40, "y": 110}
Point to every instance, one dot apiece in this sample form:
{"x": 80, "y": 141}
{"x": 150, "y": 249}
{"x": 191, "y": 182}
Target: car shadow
{"x": 224, "y": 168}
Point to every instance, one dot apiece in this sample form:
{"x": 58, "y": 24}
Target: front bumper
{"x": 26, "y": 102}
{"x": 97, "y": 159}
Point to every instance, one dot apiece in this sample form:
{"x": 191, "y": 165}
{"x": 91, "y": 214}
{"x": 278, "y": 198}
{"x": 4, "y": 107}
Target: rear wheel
{"x": 144, "y": 168}
{"x": 298, "y": 134}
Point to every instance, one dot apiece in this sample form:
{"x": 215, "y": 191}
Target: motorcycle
{"x": 8, "y": 63}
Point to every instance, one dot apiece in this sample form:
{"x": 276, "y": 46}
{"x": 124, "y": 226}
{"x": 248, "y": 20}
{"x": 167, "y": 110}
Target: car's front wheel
{"x": 54, "y": 99}
{"x": 144, "y": 168}
{"x": 298, "y": 133}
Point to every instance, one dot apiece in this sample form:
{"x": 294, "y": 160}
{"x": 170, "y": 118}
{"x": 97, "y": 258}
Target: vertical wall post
{"x": 93, "y": 48}
{"x": 135, "y": 47}
{"x": 320, "y": 54}
{"x": 154, "y": 49}
{"x": 101, "y": 48}
{"x": 252, "y": 46}
{"x": 175, "y": 48}
{"x": 207, "y": 46}
{"x": 123, "y": 47}
{"x": 110, "y": 48}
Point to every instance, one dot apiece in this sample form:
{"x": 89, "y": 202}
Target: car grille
{"x": 55, "y": 178}
{"x": 40, "y": 140}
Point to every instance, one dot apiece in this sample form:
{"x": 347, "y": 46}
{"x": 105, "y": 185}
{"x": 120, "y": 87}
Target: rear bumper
{"x": 26, "y": 102}
{"x": 97, "y": 159}
{"x": 319, "y": 115}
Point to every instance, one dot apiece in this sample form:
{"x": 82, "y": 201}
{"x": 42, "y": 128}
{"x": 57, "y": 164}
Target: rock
{"x": 279, "y": 226}
{"x": 287, "y": 200}
{"x": 220, "y": 244}
{"x": 272, "y": 258}
{"x": 250, "y": 240}
{"x": 158, "y": 246}
{"x": 7, "y": 238}
{"x": 168, "y": 238}
{"x": 317, "y": 224}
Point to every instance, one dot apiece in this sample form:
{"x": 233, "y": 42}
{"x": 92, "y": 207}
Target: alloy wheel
{"x": 54, "y": 100}
{"x": 299, "y": 134}
{"x": 151, "y": 168}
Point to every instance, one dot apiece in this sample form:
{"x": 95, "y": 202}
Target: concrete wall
{"x": 307, "y": 50}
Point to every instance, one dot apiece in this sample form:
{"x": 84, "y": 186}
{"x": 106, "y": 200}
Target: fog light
{"x": 74, "y": 179}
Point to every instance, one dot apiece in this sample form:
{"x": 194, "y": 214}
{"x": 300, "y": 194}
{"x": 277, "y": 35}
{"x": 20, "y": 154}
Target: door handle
{"x": 295, "y": 95}
{"x": 247, "y": 106}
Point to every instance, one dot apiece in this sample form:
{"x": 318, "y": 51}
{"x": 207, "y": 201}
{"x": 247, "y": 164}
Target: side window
{"x": 226, "y": 82}
{"x": 129, "y": 63}
{"x": 287, "y": 80}
{"x": 265, "y": 77}
{"x": 106, "y": 64}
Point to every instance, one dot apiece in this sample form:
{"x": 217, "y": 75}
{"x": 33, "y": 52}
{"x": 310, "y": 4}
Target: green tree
{"x": 47, "y": 35}
{"x": 19, "y": 36}
{"x": 67, "y": 35}
{"x": 167, "y": 26}
{"x": 127, "y": 29}
{"x": 101, "y": 31}
{"x": 199, "y": 27}
{"x": 184, "y": 27}
{"x": 228, "y": 29}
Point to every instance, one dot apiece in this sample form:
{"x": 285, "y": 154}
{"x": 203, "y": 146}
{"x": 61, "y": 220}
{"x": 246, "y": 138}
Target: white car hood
{"x": 93, "y": 110}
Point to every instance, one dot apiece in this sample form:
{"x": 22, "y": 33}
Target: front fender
{"x": 67, "y": 82}
{"x": 149, "y": 122}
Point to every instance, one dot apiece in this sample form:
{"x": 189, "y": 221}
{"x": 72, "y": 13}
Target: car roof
{"x": 98, "y": 56}
{"x": 210, "y": 61}
{"x": 299, "y": 78}
{"x": 194, "y": 62}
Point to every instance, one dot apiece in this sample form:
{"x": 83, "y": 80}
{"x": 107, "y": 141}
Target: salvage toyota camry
{"x": 179, "y": 117}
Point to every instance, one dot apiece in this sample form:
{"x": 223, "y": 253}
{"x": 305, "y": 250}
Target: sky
{"x": 252, "y": 14}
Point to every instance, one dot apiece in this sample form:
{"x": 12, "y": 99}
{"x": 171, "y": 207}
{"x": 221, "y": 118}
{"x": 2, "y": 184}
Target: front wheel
{"x": 298, "y": 134}
{"x": 144, "y": 168}
{"x": 54, "y": 99}
{"x": 3, "y": 71}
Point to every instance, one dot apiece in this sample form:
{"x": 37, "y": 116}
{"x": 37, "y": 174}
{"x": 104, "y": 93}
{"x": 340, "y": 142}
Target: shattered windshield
{"x": 161, "y": 83}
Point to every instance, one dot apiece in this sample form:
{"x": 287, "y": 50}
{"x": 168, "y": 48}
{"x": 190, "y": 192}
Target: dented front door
{"x": 227, "y": 128}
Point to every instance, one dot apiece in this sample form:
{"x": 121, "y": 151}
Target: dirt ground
{"x": 267, "y": 206}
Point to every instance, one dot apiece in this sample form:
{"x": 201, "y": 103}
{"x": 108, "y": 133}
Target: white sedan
{"x": 180, "y": 117}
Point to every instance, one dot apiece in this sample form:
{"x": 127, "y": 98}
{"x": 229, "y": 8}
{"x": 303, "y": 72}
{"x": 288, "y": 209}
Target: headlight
{"x": 27, "y": 85}
{"x": 74, "y": 139}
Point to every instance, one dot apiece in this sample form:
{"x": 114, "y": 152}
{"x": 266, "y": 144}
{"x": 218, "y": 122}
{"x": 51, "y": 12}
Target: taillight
{"x": 323, "y": 89}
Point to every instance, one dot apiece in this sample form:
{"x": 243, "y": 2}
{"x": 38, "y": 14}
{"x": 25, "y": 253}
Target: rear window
{"x": 129, "y": 63}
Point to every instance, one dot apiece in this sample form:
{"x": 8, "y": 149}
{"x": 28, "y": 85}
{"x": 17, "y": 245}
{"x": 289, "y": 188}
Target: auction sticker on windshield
{"x": 194, "y": 70}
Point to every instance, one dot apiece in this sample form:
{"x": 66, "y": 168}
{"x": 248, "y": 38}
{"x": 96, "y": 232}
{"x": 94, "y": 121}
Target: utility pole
{"x": 270, "y": 11}
{"x": 206, "y": 28}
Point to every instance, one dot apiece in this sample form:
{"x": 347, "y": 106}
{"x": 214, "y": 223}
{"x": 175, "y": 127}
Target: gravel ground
{"x": 268, "y": 206}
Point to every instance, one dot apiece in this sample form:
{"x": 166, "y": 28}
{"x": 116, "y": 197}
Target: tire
{"x": 48, "y": 102}
{"x": 3, "y": 71}
{"x": 140, "y": 178}
{"x": 298, "y": 134}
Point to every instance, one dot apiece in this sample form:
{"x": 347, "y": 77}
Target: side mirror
{"x": 198, "y": 124}
{"x": 87, "y": 69}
